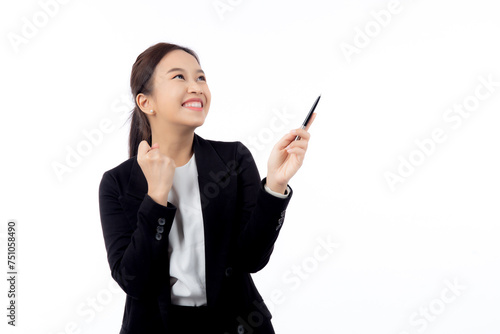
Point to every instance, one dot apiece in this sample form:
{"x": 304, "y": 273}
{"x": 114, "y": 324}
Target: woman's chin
{"x": 196, "y": 123}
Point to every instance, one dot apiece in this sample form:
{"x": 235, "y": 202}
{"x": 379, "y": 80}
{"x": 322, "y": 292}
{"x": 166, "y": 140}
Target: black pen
{"x": 308, "y": 117}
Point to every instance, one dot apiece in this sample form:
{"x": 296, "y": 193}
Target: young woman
{"x": 186, "y": 220}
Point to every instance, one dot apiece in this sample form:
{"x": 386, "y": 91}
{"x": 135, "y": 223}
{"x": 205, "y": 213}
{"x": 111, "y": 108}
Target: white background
{"x": 395, "y": 248}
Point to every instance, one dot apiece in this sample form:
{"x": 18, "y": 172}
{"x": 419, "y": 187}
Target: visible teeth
{"x": 193, "y": 104}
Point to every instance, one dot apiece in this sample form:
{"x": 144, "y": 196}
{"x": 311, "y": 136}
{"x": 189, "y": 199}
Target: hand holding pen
{"x": 288, "y": 154}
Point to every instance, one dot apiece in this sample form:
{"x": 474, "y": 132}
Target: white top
{"x": 187, "y": 239}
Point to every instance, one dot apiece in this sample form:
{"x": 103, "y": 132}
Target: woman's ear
{"x": 144, "y": 102}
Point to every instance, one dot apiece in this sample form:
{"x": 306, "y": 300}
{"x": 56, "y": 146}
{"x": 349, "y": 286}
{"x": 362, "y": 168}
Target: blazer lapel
{"x": 217, "y": 203}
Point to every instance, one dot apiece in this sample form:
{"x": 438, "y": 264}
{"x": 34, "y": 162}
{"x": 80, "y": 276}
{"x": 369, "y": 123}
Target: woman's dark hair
{"x": 140, "y": 82}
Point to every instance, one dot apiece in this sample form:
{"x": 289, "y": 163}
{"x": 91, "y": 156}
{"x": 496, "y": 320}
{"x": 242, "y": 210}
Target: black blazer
{"x": 241, "y": 223}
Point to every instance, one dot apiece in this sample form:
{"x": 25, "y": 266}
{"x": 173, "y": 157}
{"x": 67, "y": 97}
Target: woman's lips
{"x": 193, "y": 104}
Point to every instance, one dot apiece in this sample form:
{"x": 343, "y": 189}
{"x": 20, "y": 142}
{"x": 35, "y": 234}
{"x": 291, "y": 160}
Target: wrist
{"x": 275, "y": 186}
{"x": 161, "y": 199}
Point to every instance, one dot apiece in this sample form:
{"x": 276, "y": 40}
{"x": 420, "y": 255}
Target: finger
{"x": 298, "y": 143}
{"x": 303, "y": 134}
{"x": 298, "y": 152}
{"x": 285, "y": 140}
{"x": 313, "y": 116}
{"x": 290, "y": 137}
{"x": 154, "y": 146}
{"x": 143, "y": 148}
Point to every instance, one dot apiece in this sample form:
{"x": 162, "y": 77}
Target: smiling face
{"x": 180, "y": 95}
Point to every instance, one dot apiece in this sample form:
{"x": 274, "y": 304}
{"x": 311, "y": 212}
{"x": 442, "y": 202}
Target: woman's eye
{"x": 179, "y": 75}
{"x": 202, "y": 78}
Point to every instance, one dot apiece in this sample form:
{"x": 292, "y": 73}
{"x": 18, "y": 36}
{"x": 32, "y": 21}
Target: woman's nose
{"x": 195, "y": 87}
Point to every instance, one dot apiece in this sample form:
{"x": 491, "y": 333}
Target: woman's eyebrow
{"x": 183, "y": 70}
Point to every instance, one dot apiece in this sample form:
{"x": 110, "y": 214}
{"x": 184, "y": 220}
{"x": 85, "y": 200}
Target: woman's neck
{"x": 175, "y": 144}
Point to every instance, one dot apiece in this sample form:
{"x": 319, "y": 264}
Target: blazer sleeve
{"x": 134, "y": 252}
{"x": 261, "y": 214}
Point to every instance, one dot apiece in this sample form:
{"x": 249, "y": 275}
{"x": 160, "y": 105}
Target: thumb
{"x": 143, "y": 148}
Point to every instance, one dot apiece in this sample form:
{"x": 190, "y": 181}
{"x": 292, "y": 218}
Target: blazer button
{"x": 229, "y": 271}
{"x": 241, "y": 329}
{"x": 159, "y": 229}
{"x": 161, "y": 221}
{"x": 158, "y": 236}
